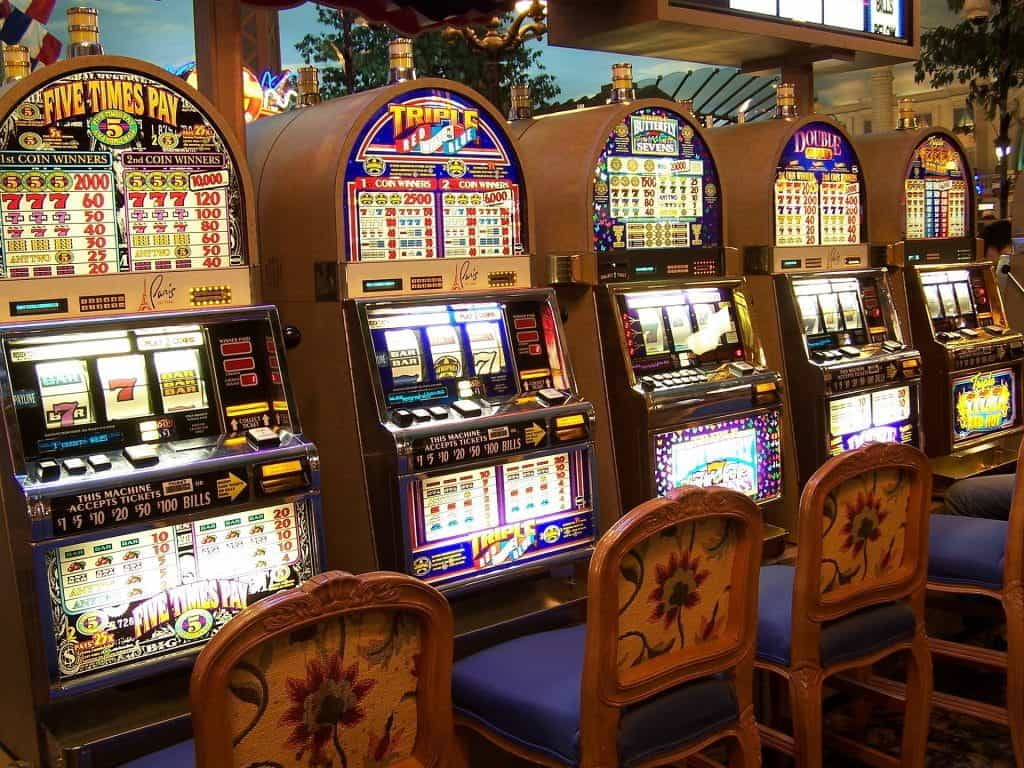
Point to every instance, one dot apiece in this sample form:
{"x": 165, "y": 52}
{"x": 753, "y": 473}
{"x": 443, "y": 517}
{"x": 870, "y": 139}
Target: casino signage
{"x": 433, "y": 177}
{"x": 110, "y": 171}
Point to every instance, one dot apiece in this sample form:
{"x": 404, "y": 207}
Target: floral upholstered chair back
{"x": 673, "y": 593}
{"x": 863, "y": 530}
{"x": 343, "y": 672}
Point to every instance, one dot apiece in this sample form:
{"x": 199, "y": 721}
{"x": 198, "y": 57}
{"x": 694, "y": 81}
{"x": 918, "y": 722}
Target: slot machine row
{"x": 160, "y": 484}
{"x": 482, "y": 450}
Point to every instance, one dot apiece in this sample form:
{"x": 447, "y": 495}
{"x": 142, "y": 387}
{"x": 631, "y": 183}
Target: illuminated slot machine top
{"x": 416, "y": 189}
{"x": 948, "y": 293}
{"x": 485, "y": 457}
{"x": 119, "y": 193}
{"x": 822, "y": 297}
{"x": 650, "y": 209}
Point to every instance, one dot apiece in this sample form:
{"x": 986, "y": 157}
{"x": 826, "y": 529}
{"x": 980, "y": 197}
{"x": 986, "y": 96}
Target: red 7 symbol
{"x": 66, "y": 411}
{"x": 125, "y": 389}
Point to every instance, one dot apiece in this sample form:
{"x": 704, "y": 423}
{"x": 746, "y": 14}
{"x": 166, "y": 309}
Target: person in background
{"x": 987, "y": 496}
{"x": 998, "y": 237}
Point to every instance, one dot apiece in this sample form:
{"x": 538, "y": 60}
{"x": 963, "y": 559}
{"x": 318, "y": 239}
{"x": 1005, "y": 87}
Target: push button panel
{"x": 47, "y": 471}
{"x": 140, "y": 456}
{"x": 466, "y": 408}
{"x": 75, "y": 466}
{"x": 99, "y": 462}
{"x": 669, "y": 380}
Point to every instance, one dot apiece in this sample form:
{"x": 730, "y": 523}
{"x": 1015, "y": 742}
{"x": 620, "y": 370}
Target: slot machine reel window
{"x": 432, "y": 176}
{"x": 97, "y": 391}
{"x": 152, "y": 592}
{"x": 681, "y": 328}
{"x": 656, "y": 186}
{"x": 883, "y": 416}
{"x": 818, "y": 190}
{"x": 984, "y": 403}
{"x": 832, "y": 313}
{"x": 484, "y": 519}
{"x": 444, "y": 352}
{"x": 937, "y": 193}
{"x": 110, "y": 171}
{"x": 742, "y": 454}
{"x": 950, "y": 296}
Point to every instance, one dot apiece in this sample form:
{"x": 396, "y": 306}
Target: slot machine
{"x": 155, "y": 479}
{"x": 439, "y": 387}
{"x": 634, "y": 245}
{"x": 922, "y": 198}
{"x": 825, "y": 307}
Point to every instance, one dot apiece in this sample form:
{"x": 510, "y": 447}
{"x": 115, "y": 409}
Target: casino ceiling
{"x": 410, "y": 16}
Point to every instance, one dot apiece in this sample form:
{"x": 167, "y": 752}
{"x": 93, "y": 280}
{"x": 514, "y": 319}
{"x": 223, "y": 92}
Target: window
{"x": 868, "y": 126}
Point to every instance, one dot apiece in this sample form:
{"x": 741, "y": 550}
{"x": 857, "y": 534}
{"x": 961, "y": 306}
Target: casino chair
{"x": 348, "y": 671}
{"x": 663, "y": 666}
{"x": 985, "y": 558}
{"x": 854, "y": 597}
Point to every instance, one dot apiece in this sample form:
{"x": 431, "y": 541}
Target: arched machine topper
{"x": 121, "y": 138}
{"x": 303, "y": 165}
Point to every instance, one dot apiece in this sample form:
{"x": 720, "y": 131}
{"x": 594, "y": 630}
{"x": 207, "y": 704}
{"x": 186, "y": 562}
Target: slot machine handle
{"x": 292, "y": 337}
{"x": 1005, "y": 269}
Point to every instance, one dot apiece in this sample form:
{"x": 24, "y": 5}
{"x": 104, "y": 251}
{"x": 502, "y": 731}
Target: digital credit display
{"x": 145, "y": 594}
{"x": 984, "y": 403}
{"x": 483, "y": 519}
{"x": 439, "y": 352}
{"x": 96, "y": 391}
{"x": 742, "y": 454}
{"x": 818, "y": 190}
{"x": 882, "y": 416}
{"x": 679, "y": 328}
{"x": 881, "y": 18}
{"x": 656, "y": 186}
{"x": 433, "y": 176}
{"x": 110, "y": 171}
{"x": 937, "y": 196}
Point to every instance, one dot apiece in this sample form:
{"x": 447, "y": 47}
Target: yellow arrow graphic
{"x": 535, "y": 433}
{"x": 231, "y": 486}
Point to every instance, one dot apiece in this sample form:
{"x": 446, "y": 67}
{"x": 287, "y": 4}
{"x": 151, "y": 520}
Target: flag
{"x": 23, "y": 22}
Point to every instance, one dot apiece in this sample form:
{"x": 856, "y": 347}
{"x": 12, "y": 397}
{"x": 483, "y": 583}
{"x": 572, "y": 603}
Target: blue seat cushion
{"x": 851, "y": 637}
{"x": 967, "y": 550}
{"x": 181, "y": 755}
{"x": 527, "y": 690}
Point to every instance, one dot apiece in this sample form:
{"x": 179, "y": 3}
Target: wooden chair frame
{"x": 326, "y": 596}
{"x": 805, "y": 675}
{"x": 603, "y": 692}
{"x": 1011, "y": 598}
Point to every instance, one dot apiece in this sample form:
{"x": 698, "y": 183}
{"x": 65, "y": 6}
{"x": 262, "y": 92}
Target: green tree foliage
{"x": 988, "y": 57}
{"x": 354, "y": 57}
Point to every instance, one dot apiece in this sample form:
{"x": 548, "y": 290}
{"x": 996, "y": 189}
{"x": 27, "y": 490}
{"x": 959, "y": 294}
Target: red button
{"x": 249, "y": 379}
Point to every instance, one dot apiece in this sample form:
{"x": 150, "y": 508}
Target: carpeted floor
{"x": 955, "y": 742}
